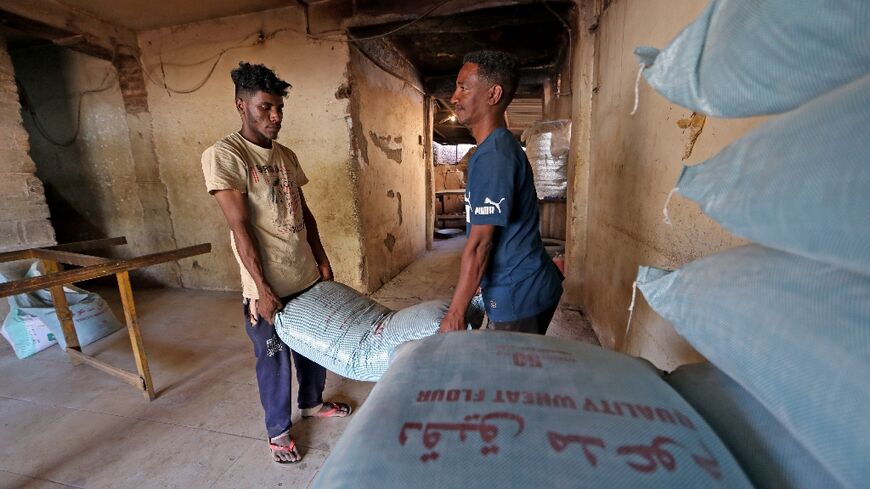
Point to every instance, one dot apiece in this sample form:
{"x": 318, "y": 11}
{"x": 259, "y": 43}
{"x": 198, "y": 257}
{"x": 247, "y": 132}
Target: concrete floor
{"x": 65, "y": 426}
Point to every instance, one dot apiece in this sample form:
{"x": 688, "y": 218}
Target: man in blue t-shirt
{"x": 504, "y": 254}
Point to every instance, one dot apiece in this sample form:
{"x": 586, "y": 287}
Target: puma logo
{"x": 497, "y": 205}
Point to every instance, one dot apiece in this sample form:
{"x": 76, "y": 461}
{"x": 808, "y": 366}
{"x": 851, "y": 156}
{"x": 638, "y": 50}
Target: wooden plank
{"x": 128, "y": 377}
{"x": 553, "y": 219}
{"x": 135, "y": 334}
{"x": 61, "y": 308}
{"x": 93, "y": 244}
{"x": 450, "y": 216}
{"x": 455, "y": 191}
{"x": 58, "y": 16}
{"x": 70, "y": 258}
{"x": 100, "y": 270}
{"x": 17, "y": 255}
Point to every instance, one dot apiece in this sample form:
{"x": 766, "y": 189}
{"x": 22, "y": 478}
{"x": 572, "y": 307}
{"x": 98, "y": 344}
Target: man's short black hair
{"x": 497, "y": 67}
{"x": 250, "y": 79}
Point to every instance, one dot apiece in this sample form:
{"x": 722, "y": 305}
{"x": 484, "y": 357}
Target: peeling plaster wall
{"x": 622, "y": 170}
{"x": 316, "y": 126}
{"x": 389, "y": 125}
{"x": 90, "y": 184}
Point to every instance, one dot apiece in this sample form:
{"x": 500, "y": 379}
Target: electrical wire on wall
{"x": 251, "y": 40}
{"x": 261, "y": 37}
{"x": 28, "y": 105}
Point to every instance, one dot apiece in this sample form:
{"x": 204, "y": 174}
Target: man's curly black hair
{"x": 497, "y": 67}
{"x": 253, "y": 78}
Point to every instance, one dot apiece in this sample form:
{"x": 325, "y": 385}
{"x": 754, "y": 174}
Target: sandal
{"x": 284, "y": 448}
{"x": 335, "y": 410}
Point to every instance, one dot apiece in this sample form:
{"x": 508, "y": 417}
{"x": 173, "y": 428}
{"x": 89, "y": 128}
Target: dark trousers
{"x": 533, "y": 324}
{"x": 274, "y": 375}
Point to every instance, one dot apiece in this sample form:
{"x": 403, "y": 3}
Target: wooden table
{"x": 92, "y": 267}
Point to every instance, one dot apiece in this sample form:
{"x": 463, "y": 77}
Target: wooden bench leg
{"x": 135, "y": 335}
{"x": 61, "y": 308}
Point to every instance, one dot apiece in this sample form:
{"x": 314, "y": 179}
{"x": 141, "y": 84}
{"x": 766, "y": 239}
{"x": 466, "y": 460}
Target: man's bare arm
{"x": 313, "y": 236}
{"x": 235, "y": 209}
{"x": 475, "y": 258}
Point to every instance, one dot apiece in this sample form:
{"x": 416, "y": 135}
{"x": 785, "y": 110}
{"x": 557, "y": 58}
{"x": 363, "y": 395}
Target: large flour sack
{"x": 32, "y": 313}
{"x": 768, "y": 453}
{"x": 799, "y": 183}
{"x": 750, "y": 57}
{"x": 509, "y": 410}
{"x": 793, "y": 332}
{"x": 351, "y": 334}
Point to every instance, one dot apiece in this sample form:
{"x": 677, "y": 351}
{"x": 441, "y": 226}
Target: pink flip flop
{"x": 336, "y": 410}
{"x": 284, "y": 448}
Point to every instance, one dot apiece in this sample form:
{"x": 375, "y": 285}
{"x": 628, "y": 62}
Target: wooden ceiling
{"x": 536, "y": 33}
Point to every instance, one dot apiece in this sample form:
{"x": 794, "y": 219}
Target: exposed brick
{"x": 9, "y": 238}
{"x": 24, "y": 214}
{"x": 34, "y": 187}
{"x": 7, "y": 140}
{"x": 10, "y": 114}
{"x": 22, "y": 139}
{"x": 7, "y": 81}
{"x": 15, "y": 185}
{"x": 132, "y": 83}
{"x": 37, "y": 233}
{"x": 23, "y": 210}
{"x": 8, "y": 96}
{"x": 16, "y": 161}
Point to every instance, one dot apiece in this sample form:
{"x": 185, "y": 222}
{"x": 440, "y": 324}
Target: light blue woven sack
{"x": 351, "y": 334}
{"x": 768, "y": 453}
{"x": 799, "y": 183}
{"x": 495, "y": 409}
{"x": 793, "y": 332}
{"x": 92, "y": 317}
{"x": 750, "y": 57}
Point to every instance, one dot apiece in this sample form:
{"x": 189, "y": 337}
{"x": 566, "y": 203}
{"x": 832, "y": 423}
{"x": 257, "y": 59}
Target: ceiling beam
{"x": 377, "y": 12}
{"x": 384, "y": 54}
{"x": 48, "y": 19}
{"x": 463, "y": 23}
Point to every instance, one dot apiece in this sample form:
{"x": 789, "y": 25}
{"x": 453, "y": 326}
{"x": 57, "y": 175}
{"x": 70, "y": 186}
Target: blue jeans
{"x": 274, "y": 375}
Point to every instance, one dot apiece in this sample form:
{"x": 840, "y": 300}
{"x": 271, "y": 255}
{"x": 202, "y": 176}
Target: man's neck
{"x": 253, "y": 138}
{"x": 485, "y": 126}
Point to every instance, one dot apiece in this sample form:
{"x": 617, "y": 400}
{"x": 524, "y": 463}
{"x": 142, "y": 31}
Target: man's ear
{"x": 495, "y": 94}
{"x": 240, "y": 105}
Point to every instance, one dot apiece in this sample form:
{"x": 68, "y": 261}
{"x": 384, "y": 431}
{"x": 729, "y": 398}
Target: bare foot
{"x": 284, "y": 449}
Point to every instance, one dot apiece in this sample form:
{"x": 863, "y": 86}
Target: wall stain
{"x": 384, "y": 144}
{"x": 344, "y": 91}
{"x": 398, "y": 196}
{"x": 390, "y": 242}
{"x": 695, "y": 125}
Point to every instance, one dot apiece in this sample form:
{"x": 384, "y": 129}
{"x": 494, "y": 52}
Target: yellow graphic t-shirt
{"x": 270, "y": 178}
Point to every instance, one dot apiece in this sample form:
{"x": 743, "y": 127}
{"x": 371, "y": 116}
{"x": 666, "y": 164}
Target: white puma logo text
{"x": 490, "y": 202}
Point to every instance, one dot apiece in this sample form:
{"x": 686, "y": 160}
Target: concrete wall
{"x": 316, "y": 126}
{"x": 23, "y": 214}
{"x": 80, "y": 142}
{"x": 622, "y": 170}
{"x": 389, "y": 127}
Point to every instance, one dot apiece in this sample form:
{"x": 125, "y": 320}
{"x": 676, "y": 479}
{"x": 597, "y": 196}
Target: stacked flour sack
{"x": 498, "y": 409}
{"x": 785, "y": 322}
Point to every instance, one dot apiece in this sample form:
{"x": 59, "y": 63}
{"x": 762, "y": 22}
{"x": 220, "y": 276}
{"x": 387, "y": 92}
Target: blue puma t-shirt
{"x": 520, "y": 280}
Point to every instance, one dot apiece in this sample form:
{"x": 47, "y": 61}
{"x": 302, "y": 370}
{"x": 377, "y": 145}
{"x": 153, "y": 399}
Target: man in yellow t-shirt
{"x": 258, "y": 185}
